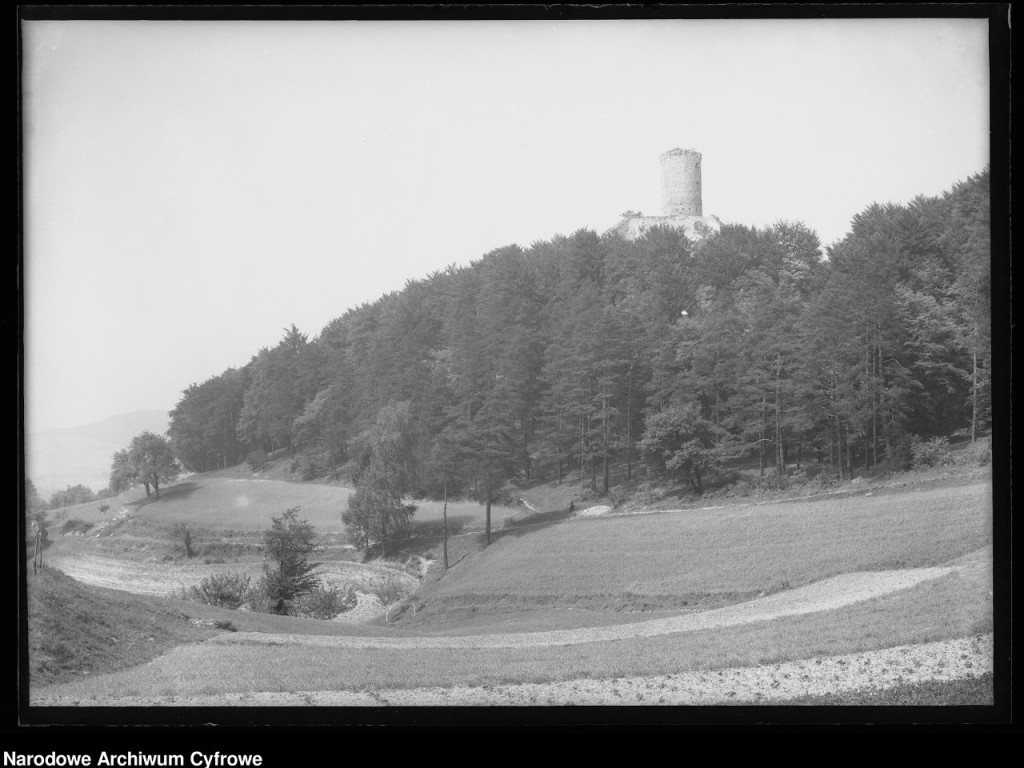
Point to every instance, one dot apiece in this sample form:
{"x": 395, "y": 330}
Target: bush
{"x": 930, "y": 453}
{"x": 225, "y": 590}
{"x": 507, "y": 495}
{"x": 312, "y": 466}
{"x": 256, "y": 460}
{"x": 75, "y": 526}
{"x": 276, "y": 592}
{"x": 181, "y": 533}
{"x": 257, "y": 597}
{"x": 389, "y": 590}
{"x": 325, "y": 602}
{"x": 980, "y": 453}
{"x": 738, "y": 489}
{"x": 720, "y": 477}
{"x": 618, "y": 495}
{"x": 648, "y": 493}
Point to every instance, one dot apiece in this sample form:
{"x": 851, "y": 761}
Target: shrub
{"x": 980, "y": 453}
{"x": 389, "y": 590}
{"x": 930, "y": 453}
{"x": 412, "y": 564}
{"x": 901, "y": 455}
{"x": 257, "y": 597}
{"x": 821, "y": 480}
{"x": 721, "y": 477}
{"x": 507, "y": 495}
{"x": 648, "y": 493}
{"x": 325, "y": 602}
{"x": 256, "y": 460}
{"x": 277, "y": 591}
{"x": 74, "y": 525}
{"x": 618, "y": 495}
{"x": 312, "y": 466}
{"x": 225, "y": 590}
{"x": 740, "y": 488}
{"x": 182, "y": 534}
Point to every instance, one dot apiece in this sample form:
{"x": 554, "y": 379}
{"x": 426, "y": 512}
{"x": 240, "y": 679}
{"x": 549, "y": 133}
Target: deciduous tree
{"x": 149, "y": 461}
{"x": 376, "y": 510}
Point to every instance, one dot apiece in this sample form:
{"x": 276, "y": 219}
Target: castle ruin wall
{"x": 680, "y": 183}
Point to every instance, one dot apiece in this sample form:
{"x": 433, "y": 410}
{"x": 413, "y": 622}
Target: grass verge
{"x": 77, "y": 630}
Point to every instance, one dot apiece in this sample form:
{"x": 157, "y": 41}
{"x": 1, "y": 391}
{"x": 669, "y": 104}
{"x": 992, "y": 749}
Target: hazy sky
{"x": 193, "y": 188}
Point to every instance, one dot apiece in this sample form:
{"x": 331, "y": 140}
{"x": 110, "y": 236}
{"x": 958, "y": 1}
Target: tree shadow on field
{"x": 532, "y": 524}
{"x": 176, "y": 492}
{"x": 435, "y": 528}
{"x": 428, "y": 547}
{"x": 427, "y": 538}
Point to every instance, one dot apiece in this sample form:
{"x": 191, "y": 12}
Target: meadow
{"x": 688, "y": 558}
{"x": 586, "y": 572}
{"x": 248, "y": 504}
{"x": 953, "y": 606}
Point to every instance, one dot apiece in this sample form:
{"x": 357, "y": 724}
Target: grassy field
{"x": 579, "y": 573}
{"x": 247, "y": 504}
{"x": 93, "y": 512}
{"x": 707, "y": 557}
{"x": 79, "y": 630}
{"x": 956, "y": 605}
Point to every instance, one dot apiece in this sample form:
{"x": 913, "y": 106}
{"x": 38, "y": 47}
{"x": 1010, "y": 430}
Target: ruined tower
{"x": 682, "y": 206}
{"x": 680, "y": 183}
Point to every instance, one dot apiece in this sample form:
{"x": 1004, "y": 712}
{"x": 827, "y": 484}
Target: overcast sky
{"x": 193, "y": 188}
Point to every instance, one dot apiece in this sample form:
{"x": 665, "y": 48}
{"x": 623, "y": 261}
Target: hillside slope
{"x": 694, "y": 559}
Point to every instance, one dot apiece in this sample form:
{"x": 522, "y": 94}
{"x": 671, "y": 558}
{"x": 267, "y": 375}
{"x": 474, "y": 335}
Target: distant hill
{"x": 57, "y": 458}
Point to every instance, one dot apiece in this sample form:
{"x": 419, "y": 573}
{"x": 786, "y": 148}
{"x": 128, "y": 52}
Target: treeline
{"x": 70, "y": 496}
{"x": 583, "y": 351}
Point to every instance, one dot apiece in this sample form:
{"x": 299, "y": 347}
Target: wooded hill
{"x": 583, "y": 351}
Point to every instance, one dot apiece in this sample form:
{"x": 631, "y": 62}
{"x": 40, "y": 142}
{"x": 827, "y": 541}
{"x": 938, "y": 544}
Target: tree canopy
{"x": 376, "y": 511}
{"x": 558, "y": 358}
{"x": 148, "y": 461}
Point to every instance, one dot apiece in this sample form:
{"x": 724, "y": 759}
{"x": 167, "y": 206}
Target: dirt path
{"x": 159, "y": 579}
{"x": 875, "y": 670}
{"x": 946, "y": 660}
{"x": 825, "y": 595}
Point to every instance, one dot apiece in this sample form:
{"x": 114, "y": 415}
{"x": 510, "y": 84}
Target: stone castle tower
{"x": 681, "y": 200}
{"x": 680, "y": 183}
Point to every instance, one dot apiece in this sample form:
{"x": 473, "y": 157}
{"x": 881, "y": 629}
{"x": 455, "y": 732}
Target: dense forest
{"x": 584, "y": 353}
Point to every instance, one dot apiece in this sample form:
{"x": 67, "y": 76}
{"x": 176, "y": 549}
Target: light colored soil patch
{"x": 824, "y": 595}
{"x": 593, "y": 511}
{"x": 874, "y": 670}
{"x": 160, "y": 579}
{"x": 367, "y": 608}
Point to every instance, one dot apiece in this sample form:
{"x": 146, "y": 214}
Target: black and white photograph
{"x": 460, "y": 363}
